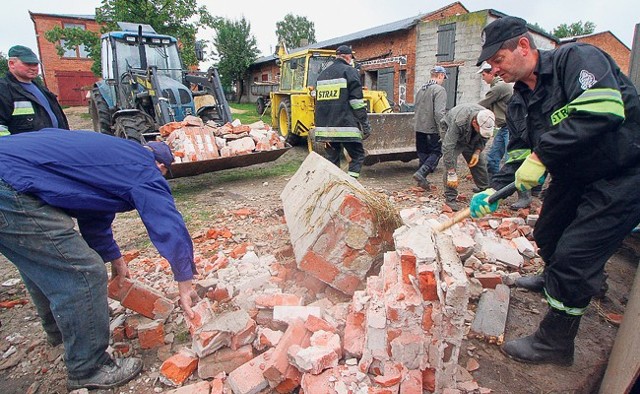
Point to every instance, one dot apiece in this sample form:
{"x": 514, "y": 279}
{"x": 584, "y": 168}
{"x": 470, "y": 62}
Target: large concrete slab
{"x": 491, "y": 315}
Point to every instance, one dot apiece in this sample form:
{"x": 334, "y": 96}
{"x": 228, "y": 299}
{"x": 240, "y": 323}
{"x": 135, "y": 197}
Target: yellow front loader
{"x": 293, "y": 103}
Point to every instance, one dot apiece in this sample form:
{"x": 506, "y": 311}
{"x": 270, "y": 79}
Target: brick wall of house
{"x": 610, "y": 44}
{"x": 56, "y": 68}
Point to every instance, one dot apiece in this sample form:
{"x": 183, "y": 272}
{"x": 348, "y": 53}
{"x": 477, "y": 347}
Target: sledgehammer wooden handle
{"x": 465, "y": 213}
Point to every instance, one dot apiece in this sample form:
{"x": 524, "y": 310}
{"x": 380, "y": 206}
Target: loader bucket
{"x": 224, "y": 163}
{"x": 392, "y": 138}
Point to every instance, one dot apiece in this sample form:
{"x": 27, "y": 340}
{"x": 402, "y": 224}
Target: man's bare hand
{"x": 188, "y": 297}
{"x": 119, "y": 270}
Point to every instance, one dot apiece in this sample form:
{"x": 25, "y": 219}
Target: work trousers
{"x": 355, "y": 151}
{"x": 478, "y": 172}
{"x": 579, "y": 228}
{"x": 429, "y": 150}
{"x": 498, "y": 150}
{"x": 67, "y": 279}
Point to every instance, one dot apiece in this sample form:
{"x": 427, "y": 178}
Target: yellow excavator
{"x": 292, "y": 104}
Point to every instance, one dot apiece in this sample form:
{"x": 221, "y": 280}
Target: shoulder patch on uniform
{"x": 586, "y": 79}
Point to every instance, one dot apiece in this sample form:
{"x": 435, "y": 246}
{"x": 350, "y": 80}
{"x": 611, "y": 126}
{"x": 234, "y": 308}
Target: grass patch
{"x": 250, "y": 115}
{"x": 85, "y": 116}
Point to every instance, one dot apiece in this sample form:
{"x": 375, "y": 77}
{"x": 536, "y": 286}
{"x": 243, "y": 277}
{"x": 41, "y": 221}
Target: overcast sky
{"x": 334, "y": 18}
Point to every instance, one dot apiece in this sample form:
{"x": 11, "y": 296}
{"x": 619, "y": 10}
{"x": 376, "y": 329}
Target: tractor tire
{"x": 131, "y": 127}
{"x": 100, "y": 113}
{"x": 210, "y": 114}
{"x": 260, "y": 106}
{"x": 284, "y": 123}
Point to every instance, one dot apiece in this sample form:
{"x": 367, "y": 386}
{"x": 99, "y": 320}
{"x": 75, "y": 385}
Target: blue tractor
{"x": 145, "y": 86}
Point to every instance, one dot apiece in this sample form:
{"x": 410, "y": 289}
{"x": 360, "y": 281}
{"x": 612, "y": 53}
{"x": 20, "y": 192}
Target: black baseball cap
{"x": 499, "y": 31}
{"x": 23, "y": 53}
{"x": 344, "y": 50}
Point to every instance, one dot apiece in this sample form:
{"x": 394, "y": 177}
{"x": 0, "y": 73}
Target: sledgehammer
{"x": 465, "y": 213}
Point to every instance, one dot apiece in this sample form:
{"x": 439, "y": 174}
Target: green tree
{"x": 293, "y": 29}
{"x": 574, "y": 29}
{"x": 4, "y": 65}
{"x": 237, "y": 49}
{"x": 177, "y": 18}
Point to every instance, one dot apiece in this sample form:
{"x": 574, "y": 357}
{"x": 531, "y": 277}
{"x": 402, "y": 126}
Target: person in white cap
{"x": 465, "y": 131}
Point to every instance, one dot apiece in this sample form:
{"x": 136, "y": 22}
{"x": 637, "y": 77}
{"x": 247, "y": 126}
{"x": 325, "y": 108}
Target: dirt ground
{"x": 206, "y": 201}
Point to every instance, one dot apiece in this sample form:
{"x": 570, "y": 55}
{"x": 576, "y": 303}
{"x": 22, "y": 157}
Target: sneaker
{"x": 112, "y": 374}
{"x": 421, "y": 180}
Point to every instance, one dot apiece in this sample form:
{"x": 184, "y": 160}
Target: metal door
{"x": 385, "y": 82}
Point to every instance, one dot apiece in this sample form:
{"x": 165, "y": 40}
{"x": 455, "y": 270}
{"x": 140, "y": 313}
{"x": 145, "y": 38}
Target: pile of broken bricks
{"x": 364, "y": 301}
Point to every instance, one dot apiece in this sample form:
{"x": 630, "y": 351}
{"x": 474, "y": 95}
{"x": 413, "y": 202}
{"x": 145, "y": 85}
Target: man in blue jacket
{"x": 47, "y": 179}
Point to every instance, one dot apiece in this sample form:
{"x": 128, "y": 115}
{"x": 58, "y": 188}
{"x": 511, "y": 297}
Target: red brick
{"x": 244, "y": 337}
{"x": 239, "y": 250}
{"x": 248, "y": 377}
{"x": 202, "y": 314}
{"x": 130, "y": 255}
{"x": 290, "y": 381}
{"x": 408, "y": 266}
{"x": 347, "y": 283}
{"x": 318, "y": 384}
{"x": 196, "y": 388}
{"x": 428, "y": 285}
{"x": 317, "y": 266}
{"x": 217, "y": 386}
{"x": 131, "y": 324}
{"x": 224, "y": 360}
{"x": 277, "y": 365}
{"x": 180, "y": 366}
{"x": 427, "y": 318}
{"x": 309, "y": 282}
{"x": 354, "y": 335}
{"x": 271, "y": 300}
{"x": 118, "y": 334}
{"x": 147, "y": 301}
{"x": 219, "y": 294}
{"x": 268, "y": 338}
{"x": 115, "y": 291}
{"x": 429, "y": 380}
{"x": 489, "y": 280}
{"x": 151, "y": 335}
{"x": 355, "y": 210}
{"x": 314, "y": 323}
{"x": 411, "y": 382}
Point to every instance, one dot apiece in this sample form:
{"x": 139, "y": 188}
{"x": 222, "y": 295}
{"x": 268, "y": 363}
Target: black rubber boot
{"x": 420, "y": 177}
{"x": 533, "y": 283}
{"x": 524, "y": 201}
{"x": 553, "y": 343}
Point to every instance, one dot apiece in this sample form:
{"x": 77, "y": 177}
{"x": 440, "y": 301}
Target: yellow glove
{"x": 531, "y": 173}
{"x": 452, "y": 180}
{"x": 474, "y": 159}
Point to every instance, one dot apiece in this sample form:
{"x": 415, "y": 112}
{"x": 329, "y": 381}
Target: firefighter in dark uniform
{"x": 25, "y": 105}
{"x": 341, "y": 114}
{"x": 580, "y": 117}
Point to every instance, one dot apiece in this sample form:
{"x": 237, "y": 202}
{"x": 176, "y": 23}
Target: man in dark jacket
{"x": 341, "y": 113}
{"x": 47, "y": 179}
{"x": 430, "y": 107}
{"x": 25, "y": 105}
{"x": 579, "y": 116}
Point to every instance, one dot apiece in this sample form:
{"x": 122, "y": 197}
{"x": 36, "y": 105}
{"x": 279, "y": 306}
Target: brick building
{"x": 609, "y": 43}
{"x": 398, "y": 56}
{"x": 69, "y": 76}
{"x": 386, "y": 54}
